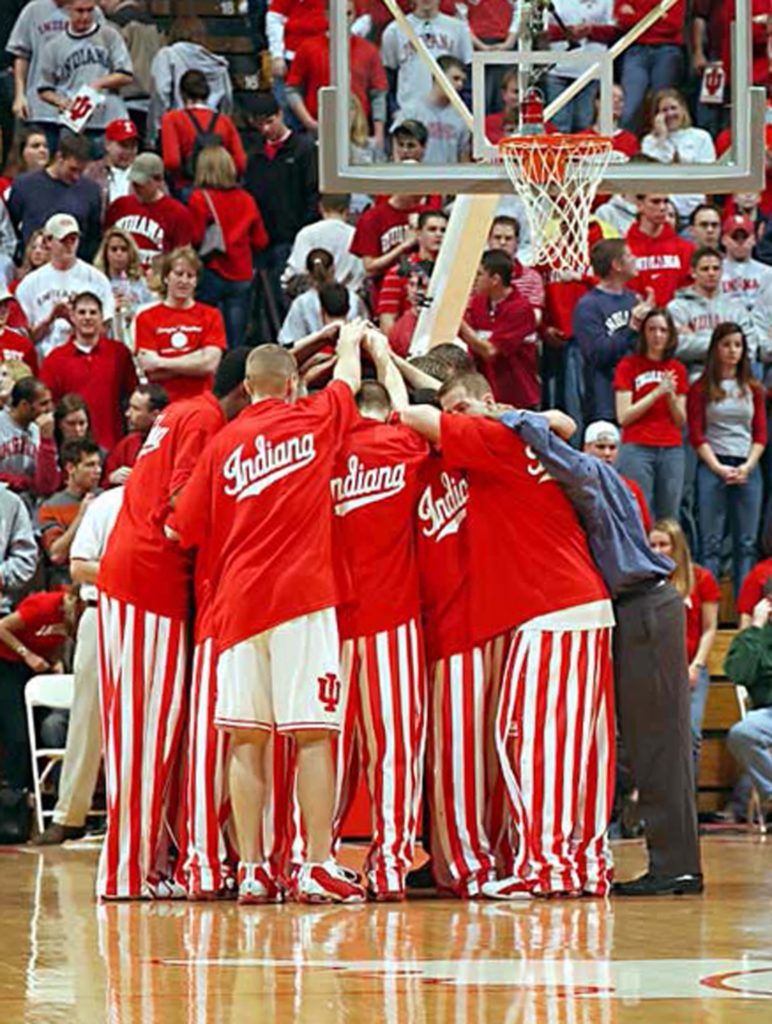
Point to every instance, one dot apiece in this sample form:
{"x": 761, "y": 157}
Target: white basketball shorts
{"x": 287, "y": 677}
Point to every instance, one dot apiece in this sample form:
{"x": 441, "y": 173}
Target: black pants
{"x": 14, "y": 741}
{"x": 652, "y": 693}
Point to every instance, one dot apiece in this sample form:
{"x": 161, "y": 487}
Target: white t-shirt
{"x": 334, "y": 236}
{"x": 91, "y": 537}
{"x": 43, "y": 288}
{"x": 577, "y": 12}
{"x": 441, "y": 34}
{"x": 450, "y": 141}
{"x": 305, "y": 316}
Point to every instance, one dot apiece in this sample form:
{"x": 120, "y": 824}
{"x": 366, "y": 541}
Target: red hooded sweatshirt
{"x": 663, "y": 262}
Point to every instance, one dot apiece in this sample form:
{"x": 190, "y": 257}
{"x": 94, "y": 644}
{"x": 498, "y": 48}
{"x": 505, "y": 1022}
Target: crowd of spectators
{"x": 149, "y": 221}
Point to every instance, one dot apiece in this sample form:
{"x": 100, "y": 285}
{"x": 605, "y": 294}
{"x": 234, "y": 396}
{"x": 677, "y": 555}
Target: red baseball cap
{"x": 737, "y": 223}
{"x": 122, "y": 130}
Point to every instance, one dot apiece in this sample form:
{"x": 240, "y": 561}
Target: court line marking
{"x": 635, "y": 980}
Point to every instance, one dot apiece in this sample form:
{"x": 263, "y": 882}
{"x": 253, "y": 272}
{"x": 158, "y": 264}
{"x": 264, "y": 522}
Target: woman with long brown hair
{"x": 650, "y": 389}
{"x": 728, "y": 428}
{"x": 700, "y": 592}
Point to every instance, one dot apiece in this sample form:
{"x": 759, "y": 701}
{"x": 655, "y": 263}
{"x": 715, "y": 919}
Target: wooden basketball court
{"x": 676, "y": 961}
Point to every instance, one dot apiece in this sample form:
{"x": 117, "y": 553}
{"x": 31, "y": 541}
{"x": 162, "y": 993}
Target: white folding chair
{"x": 47, "y": 691}
{"x": 756, "y": 815}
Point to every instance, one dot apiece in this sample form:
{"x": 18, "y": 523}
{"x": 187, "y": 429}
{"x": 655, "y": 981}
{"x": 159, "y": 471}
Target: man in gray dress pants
{"x": 650, "y": 665}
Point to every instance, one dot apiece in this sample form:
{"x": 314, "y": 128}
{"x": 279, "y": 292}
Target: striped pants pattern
{"x": 555, "y": 742}
{"x": 384, "y": 726}
{"x": 143, "y": 693}
{"x": 462, "y": 858}
{"x": 208, "y": 807}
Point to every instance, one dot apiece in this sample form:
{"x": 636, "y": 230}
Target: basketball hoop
{"x": 556, "y": 177}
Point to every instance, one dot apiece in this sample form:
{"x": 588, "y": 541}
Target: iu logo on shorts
{"x": 329, "y": 692}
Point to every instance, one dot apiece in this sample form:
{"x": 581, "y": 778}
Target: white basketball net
{"x": 557, "y": 177}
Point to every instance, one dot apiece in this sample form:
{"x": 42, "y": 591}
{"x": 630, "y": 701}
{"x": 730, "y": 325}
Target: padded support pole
{"x": 454, "y": 272}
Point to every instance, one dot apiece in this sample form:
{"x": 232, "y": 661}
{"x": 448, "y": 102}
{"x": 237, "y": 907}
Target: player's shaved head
{"x": 466, "y": 393}
{"x": 373, "y": 400}
{"x": 231, "y": 371}
{"x": 271, "y": 371}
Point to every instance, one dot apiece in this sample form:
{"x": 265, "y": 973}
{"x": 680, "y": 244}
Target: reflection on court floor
{"x": 559, "y": 962}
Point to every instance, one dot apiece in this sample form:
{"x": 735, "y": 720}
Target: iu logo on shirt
{"x": 329, "y": 692}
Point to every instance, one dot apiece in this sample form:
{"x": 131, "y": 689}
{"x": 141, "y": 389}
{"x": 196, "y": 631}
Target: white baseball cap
{"x": 601, "y": 430}
{"x": 61, "y": 225}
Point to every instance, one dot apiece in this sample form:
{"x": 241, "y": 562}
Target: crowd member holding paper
{"x": 82, "y": 69}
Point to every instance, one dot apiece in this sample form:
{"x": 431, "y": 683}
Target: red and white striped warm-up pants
{"x": 384, "y": 726}
{"x": 462, "y": 858}
{"x": 143, "y": 692}
{"x": 208, "y": 807}
{"x": 555, "y": 742}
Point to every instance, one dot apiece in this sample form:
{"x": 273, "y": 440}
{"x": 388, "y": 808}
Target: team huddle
{"x": 410, "y": 581}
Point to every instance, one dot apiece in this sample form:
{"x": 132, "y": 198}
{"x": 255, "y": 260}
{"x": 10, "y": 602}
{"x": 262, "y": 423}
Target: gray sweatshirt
{"x": 69, "y": 62}
{"x": 39, "y": 22}
{"x": 168, "y": 67}
{"x": 696, "y": 317}
{"x": 18, "y": 550}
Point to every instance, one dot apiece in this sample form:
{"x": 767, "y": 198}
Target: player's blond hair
{"x": 269, "y": 368}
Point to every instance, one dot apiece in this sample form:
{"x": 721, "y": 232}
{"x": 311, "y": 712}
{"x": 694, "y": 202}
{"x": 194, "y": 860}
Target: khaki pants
{"x": 84, "y": 735}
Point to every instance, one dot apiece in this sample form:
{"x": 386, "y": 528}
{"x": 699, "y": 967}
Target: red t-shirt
{"x": 705, "y": 591}
{"x": 175, "y": 332}
{"x": 401, "y": 334}
{"x": 140, "y": 565}
{"x": 752, "y": 589}
{"x": 260, "y": 495}
{"x": 382, "y": 227}
{"x": 374, "y": 492}
{"x": 640, "y": 375}
{"x": 510, "y": 325}
{"x": 490, "y": 19}
{"x": 44, "y": 630}
{"x": 17, "y": 345}
{"x": 310, "y": 71}
{"x": 643, "y": 505}
{"x": 529, "y": 555}
{"x": 156, "y": 227}
{"x": 442, "y": 538}
{"x": 103, "y": 377}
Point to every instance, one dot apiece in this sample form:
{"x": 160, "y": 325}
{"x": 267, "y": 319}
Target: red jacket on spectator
{"x": 241, "y": 224}
{"x": 662, "y": 262}
{"x": 510, "y": 325}
{"x": 178, "y": 139}
{"x": 103, "y": 377}
{"x": 124, "y": 453}
{"x": 310, "y": 71}
{"x": 302, "y": 19}
{"x": 668, "y": 29}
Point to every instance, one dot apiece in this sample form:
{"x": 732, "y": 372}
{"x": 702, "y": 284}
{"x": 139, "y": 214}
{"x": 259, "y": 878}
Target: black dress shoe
{"x": 657, "y": 885}
{"x": 421, "y": 878}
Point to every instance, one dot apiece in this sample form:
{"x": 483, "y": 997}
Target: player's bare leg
{"x": 320, "y": 879}
{"x": 316, "y": 791}
{"x": 249, "y": 791}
